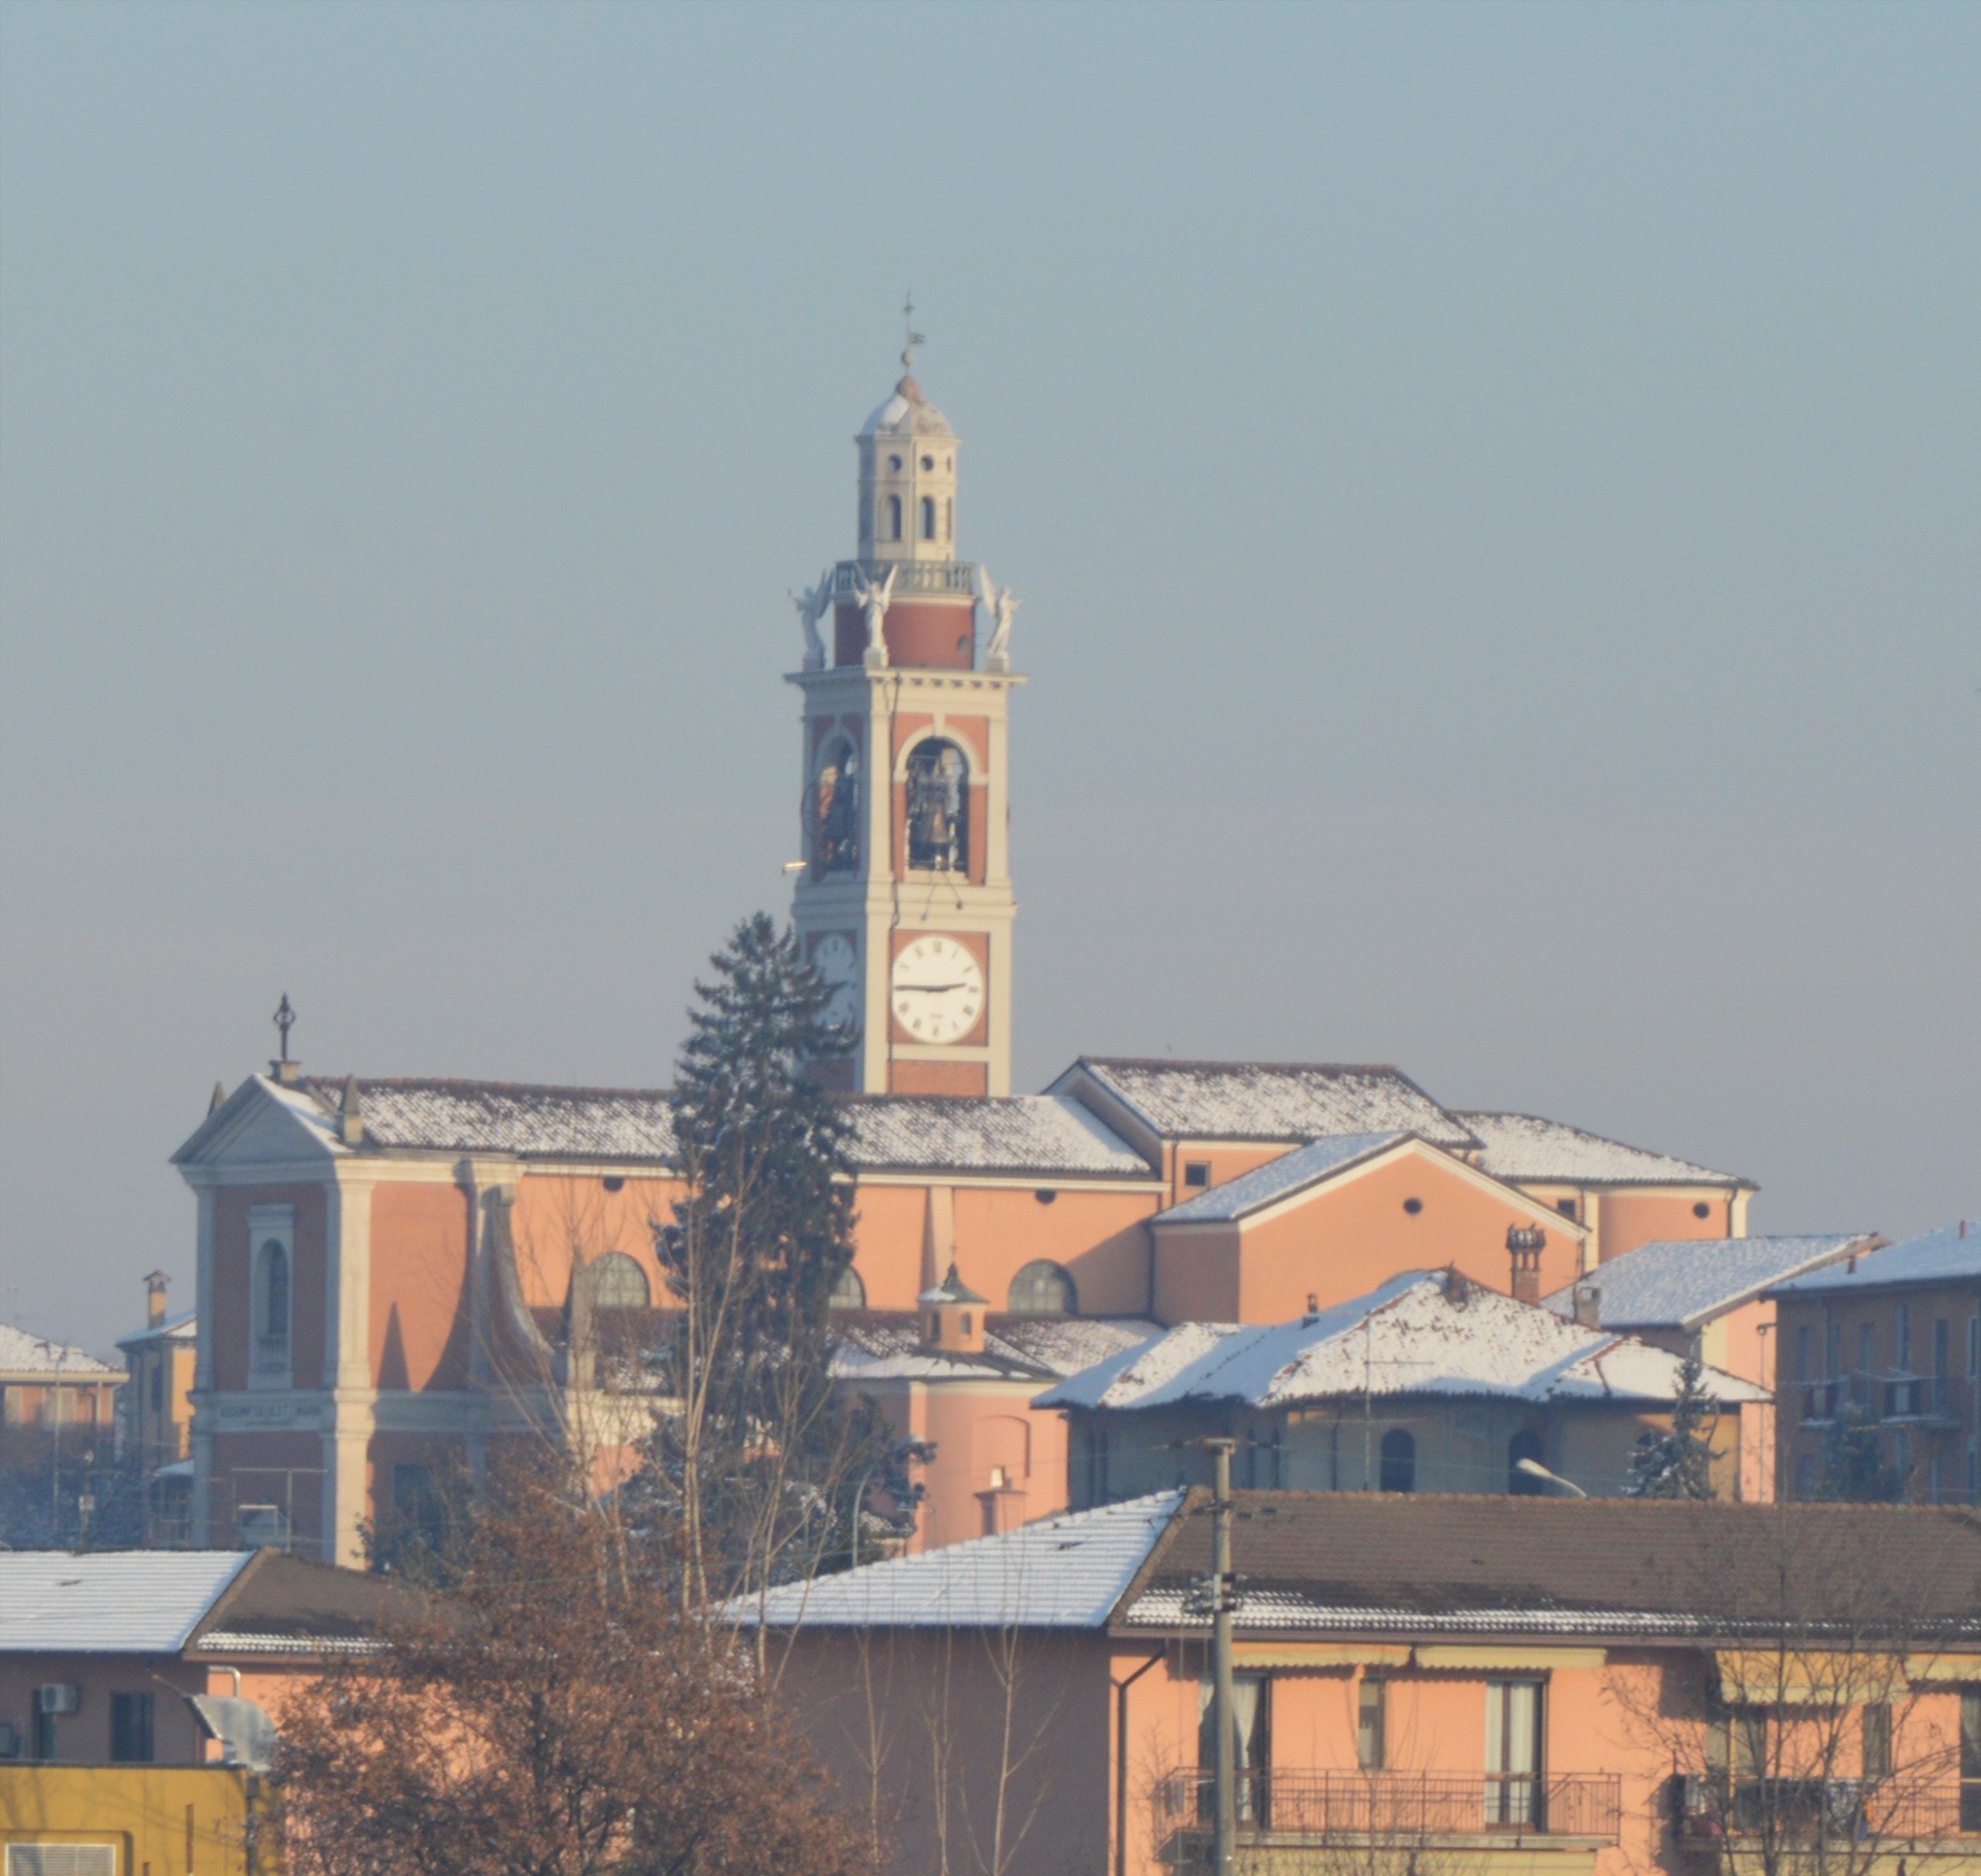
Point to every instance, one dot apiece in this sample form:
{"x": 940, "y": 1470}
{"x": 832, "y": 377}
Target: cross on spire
{"x": 285, "y": 1021}
{"x": 913, "y": 338}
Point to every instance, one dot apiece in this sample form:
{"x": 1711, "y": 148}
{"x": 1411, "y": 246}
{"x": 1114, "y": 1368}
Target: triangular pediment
{"x": 261, "y": 1124}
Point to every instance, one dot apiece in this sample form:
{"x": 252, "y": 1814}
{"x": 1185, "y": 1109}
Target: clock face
{"x": 834, "y": 959}
{"x": 938, "y": 991}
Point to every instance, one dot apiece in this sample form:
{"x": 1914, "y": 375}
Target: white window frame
{"x": 271, "y": 1361}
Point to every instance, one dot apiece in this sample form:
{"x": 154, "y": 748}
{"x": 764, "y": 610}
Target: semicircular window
{"x": 618, "y": 1282}
{"x": 1044, "y": 1289}
{"x": 938, "y": 807}
{"x": 849, "y": 1292}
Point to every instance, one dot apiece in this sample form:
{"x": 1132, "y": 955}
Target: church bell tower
{"x": 904, "y": 903}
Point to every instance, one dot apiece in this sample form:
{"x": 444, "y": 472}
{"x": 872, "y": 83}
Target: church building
{"x": 390, "y": 1269}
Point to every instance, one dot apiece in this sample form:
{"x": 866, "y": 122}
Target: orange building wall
{"x": 977, "y": 1427}
{"x": 561, "y": 1220}
{"x": 282, "y": 1469}
{"x": 1344, "y": 1240}
{"x": 1102, "y": 1238}
{"x": 1225, "y": 1160}
{"x": 1630, "y": 1219}
{"x": 419, "y": 1286}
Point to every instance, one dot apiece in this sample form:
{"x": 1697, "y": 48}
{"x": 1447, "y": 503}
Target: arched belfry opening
{"x": 835, "y": 808}
{"x": 938, "y": 807}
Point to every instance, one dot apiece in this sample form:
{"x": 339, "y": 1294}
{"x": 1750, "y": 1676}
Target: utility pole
{"x": 1223, "y": 1597}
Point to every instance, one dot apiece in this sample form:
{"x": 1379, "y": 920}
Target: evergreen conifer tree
{"x": 1853, "y": 1466}
{"x": 1678, "y": 1464}
{"x": 760, "y": 1451}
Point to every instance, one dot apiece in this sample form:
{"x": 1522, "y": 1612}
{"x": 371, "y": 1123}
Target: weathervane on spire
{"x": 914, "y": 338}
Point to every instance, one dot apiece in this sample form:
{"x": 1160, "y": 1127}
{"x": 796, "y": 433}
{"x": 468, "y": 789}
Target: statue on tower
{"x": 812, "y": 604}
{"x": 874, "y": 597}
{"x": 1001, "y": 603}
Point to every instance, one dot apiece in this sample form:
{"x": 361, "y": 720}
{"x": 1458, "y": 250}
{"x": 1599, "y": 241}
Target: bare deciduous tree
{"x": 548, "y": 1713}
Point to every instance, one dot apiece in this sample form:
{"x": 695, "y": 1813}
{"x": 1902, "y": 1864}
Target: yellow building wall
{"x": 162, "y": 1820}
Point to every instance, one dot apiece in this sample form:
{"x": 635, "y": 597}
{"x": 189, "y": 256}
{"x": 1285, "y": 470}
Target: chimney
{"x": 351, "y": 1115}
{"x": 1314, "y": 1308}
{"x": 1524, "y": 1245}
{"x": 155, "y": 1298}
{"x": 952, "y": 1317}
{"x": 1588, "y": 1306}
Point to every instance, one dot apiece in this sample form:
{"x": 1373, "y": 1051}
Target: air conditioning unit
{"x": 58, "y": 1696}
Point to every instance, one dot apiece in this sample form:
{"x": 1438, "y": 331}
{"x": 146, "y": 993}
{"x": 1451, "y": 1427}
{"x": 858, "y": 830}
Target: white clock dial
{"x": 938, "y": 991}
{"x": 834, "y": 959}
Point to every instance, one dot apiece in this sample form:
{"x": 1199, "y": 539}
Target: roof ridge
{"x": 1270, "y": 1068}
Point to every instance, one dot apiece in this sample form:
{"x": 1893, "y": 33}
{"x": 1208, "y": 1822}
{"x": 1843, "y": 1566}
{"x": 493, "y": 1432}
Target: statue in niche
{"x": 835, "y": 826}
{"x": 874, "y": 597}
{"x": 1001, "y": 603}
{"x": 812, "y": 604}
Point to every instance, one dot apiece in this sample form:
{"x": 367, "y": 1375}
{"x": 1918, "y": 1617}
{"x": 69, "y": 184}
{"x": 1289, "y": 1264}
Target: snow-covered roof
{"x": 1015, "y": 1134}
{"x": 1953, "y": 1252}
{"x": 1679, "y": 1283}
{"x": 109, "y": 1601}
{"x": 1423, "y": 1332}
{"x": 907, "y": 412}
{"x": 1271, "y": 1100}
{"x": 1278, "y": 1178}
{"x": 1044, "y": 1133}
{"x": 175, "y": 1328}
{"x": 1527, "y": 1149}
{"x": 22, "y": 1352}
{"x": 874, "y": 1347}
{"x": 1067, "y": 1572}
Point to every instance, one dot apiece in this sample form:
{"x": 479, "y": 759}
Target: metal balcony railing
{"x": 1402, "y": 1806}
{"x": 1918, "y": 1397}
{"x": 1802, "y": 1810}
{"x": 910, "y": 575}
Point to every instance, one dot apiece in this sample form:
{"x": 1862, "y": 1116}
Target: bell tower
{"x": 904, "y": 901}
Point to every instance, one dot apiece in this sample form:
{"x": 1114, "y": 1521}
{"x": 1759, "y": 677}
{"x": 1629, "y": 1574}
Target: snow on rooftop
{"x": 889, "y": 1347}
{"x": 1680, "y": 1283}
{"x": 1954, "y": 1251}
{"x": 1273, "y": 1101}
{"x": 22, "y": 1352}
{"x": 1304, "y": 1166}
{"x": 1010, "y": 1133}
{"x": 1418, "y": 1334}
{"x": 1067, "y": 1572}
{"x": 1525, "y": 1147}
{"x": 1019, "y": 1133}
{"x": 109, "y": 1601}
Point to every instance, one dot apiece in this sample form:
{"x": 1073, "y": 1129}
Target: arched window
{"x": 847, "y": 1292}
{"x": 1399, "y": 1461}
{"x": 1526, "y": 1444}
{"x": 938, "y": 807}
{"x": 893, "y": 517}
{"x": 928, "y": 517}
{"x": 1044, "y": 1289}
{"x": 618, "y": 1282}
{"x": 274, "y": 1291}
{"x": 835, "y": 810}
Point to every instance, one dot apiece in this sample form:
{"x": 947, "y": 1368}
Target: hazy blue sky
{"x": 1497, "y": 491}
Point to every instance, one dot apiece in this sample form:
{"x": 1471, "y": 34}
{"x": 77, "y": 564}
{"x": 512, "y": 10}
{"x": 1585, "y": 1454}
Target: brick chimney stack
{"x": 1524, "y": 1244}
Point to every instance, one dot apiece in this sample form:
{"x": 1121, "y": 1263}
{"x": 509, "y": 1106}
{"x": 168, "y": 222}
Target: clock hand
{"x": 931, "y": 988}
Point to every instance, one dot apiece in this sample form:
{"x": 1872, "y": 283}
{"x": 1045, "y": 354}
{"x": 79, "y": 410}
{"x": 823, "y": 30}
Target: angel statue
{"x": 875, "y": 598}
{"x": 1001, "y": 603}
{"x": 811, "y": 604}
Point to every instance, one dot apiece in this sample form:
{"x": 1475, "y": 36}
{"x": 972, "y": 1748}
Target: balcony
{"x": 1711, "y": 1811}
{"x": 1404, "y": 1810}
{"x": 1920, "y": 1399}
